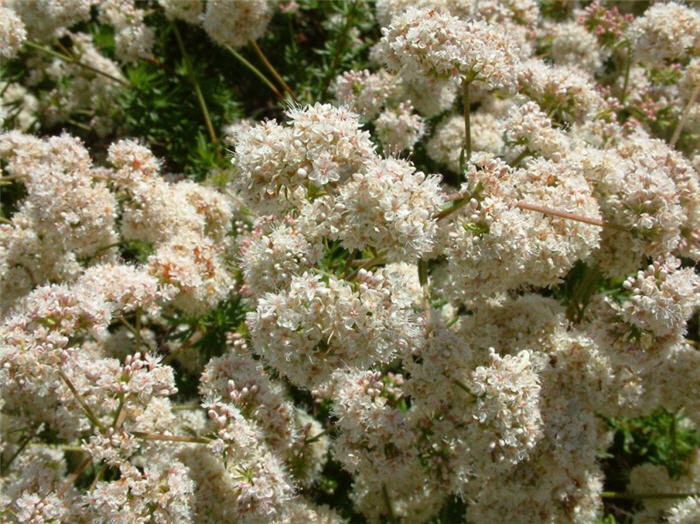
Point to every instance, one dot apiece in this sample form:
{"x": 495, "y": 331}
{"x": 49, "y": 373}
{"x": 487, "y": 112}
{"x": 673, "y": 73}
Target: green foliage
{"x": 662, "y": 438}
{"x": 325, "y": 38}
{"x": 206, "y": 335}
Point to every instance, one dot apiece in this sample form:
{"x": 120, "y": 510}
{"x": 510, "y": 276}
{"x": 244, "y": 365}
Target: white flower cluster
{"x": 12, "y": 33}
{"x": 234, "y": 23}
{"x": 427, "y": 43}
{"x": 315, "y": 327}
{"x": 665, "y": 32}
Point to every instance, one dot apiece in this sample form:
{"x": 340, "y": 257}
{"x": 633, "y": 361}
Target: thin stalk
{"x": 272, "y": 70}
{"x": 684, "y": 116}
{"x": 672, "y": 434}
{"x": 186, "y": 407}
{"x": 464, "y": 388}
{"x": 197, "y": 90}
{"x": 370, "y": 263}
{"x": 339, "y": 47}
{"x": 635, "y": 496}
{"x": 458, "y": 204}
{"x": 14, "y": 177}
{"x": 467, "y": 124}
{"x": 73, "y": 476}
{"x": 88, "y": 411}
{"x": 170, "y": 438}
{"x": 62, "y": 447}
{"x": 19, "y": 450}
{"x": 520, "y": 157}
{"x": 121, "y": 413}
{"x": 133, "y": 330}
{"x": 313, "y": 439}
{"x": 390, "y": 510}
{"x": 567, "y": 215}
{"x": 349, "y": 261}
{"x": 30, "y": 274}
{"x": 628, "y": 66}
{"x": 138, "y": 329}
{"x": 255, "y": 71}
{"x": 79, "y": 125}
{"x": 73, "y": 60}
{"x": 196, "y": 337}
{"x": 98, "y": 477}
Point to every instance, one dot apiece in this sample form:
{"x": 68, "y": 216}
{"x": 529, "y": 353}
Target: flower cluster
{"x": 428, "y": 285}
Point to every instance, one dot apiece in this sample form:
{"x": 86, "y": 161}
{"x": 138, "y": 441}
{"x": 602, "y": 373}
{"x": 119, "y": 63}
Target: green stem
{"x": 628, "y": 66}
{"x": 98, "y": 477}
{"x": 390, "y": 510}
{"x": 197, "y": 90}
{"x": 255, "y": 71}
{"x": 170, "y": 438}
{"x": 72, "y": 60}
{"x": 635, "y": 496}
{"x": 133, "y": 331}
{"x": 464, "y": 388}
{"x": 138, "y": 329}
{"x": 466, "y": 82}
{"x": 88, "y": 411}
{"x": 684, "y": 116}
{"x": 19, "y": 450}
{"x": 672, "y": 434}
{"x": 520, "y": 157}
{"x": 73, "y": 476}
{"x": 339, "y": 47}
{"x": 62, "y": 447}
{"x": 563, "y": 214}
{"x": 79, "y": 125}
{"x": 369, "y": 263}
{"x": 315, "y": 438}
{"x": 272, "y": 70}
{"x": 456, "y": 205}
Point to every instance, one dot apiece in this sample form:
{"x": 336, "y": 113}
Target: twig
{"x": 516, "y": 161}
{"x": 390, "y": 510}
{"x": 133, "y": 331}
{"x": 170, "y": 438}
{"x": 459, "y": 203}
{"x": 19, "y": 450}
{"x": 272, "y": 70}
{"x": 467, "y": 111}
{"x": 370, "y": 263}
{"x": 14, "y": 177}
{"x": 567, "y": 215}
{"x": 315, "y": 438}
{"x": 684, "y": 116}
{"x": 73, "y": 476}
{"x": 255, "y": 71}
{"x": 88, "y": 411}
{"x": 197, "y": 90}
{"x": 98, "y": 477}
{"x": 73, "y": 60}
{"x": 634, "y": 496}
{"x": 628, "y": 66}
{"x": 464, "y": 388}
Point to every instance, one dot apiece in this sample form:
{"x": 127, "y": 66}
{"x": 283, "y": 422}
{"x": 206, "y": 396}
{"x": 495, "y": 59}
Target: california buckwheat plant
{"x": 301, "y": 261}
